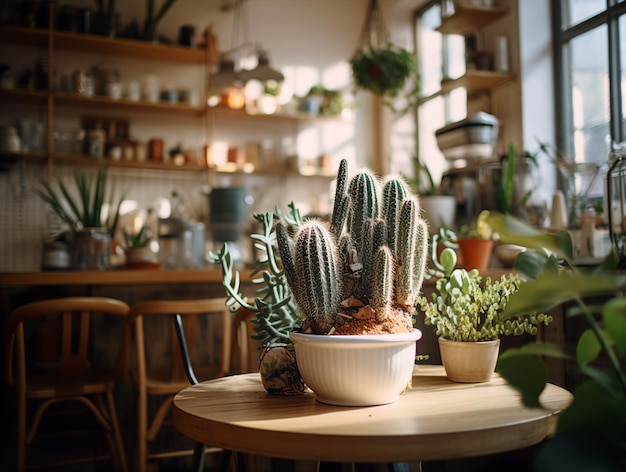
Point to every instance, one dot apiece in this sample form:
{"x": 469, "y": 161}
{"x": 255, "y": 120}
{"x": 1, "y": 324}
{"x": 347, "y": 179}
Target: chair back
{"x": 155, "y": 343}
{"x": 52, "y": 357}
{"x": 60, "y": 331}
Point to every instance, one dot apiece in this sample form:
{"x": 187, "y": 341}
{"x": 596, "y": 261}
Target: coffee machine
{"x": 470, "y": 145}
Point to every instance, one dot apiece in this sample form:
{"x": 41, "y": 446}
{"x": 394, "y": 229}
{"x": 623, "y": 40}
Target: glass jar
{"x": 90, "y": 249}
{"x": 616, "y": 200}
{"x": 9, "y": 139}
{"x": 55, "y": 256}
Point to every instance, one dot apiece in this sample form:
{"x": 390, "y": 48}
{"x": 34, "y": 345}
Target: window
{"x": 440, "y": 56}
{"x": 590, "y": 57}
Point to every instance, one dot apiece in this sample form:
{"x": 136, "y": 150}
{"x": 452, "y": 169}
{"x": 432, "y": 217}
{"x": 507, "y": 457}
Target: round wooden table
{"x": 436, "y": 420}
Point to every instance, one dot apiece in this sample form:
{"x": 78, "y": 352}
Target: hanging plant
{"x": 384, "y": 72}
{"x": 382, "y": 67}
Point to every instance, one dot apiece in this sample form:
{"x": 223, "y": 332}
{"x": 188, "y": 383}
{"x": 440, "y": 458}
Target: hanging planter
{"x": 382, "y": 67}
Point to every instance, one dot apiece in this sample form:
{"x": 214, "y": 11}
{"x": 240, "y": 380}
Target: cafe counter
{"x": 115, "y": 277}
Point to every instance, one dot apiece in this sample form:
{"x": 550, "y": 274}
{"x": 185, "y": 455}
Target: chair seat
{"x": 49, "y": 386}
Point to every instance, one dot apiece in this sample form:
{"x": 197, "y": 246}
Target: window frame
{"x": 561, "y": 38}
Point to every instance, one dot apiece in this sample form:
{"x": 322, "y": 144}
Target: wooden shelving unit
{"x": 477, "y": 81}
{"x": 466, "y": 19}
{"x": 53, "y": 41}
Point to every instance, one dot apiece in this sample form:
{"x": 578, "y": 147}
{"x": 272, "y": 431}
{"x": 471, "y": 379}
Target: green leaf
{"x": 538, "y": 349}
{"x": 588, "y": 347}
{"x": 597, "y": 409}
{"x": 531, "y": 263}
{"x": 448, "y": 260}
{"x": 550, "y": 290}
{"x": 515, "y": 231}
{"x": 614, "y": 317}
{"x": 528, "y": 374}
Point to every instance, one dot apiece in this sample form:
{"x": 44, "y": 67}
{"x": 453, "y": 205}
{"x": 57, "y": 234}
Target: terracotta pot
{"x": 469, "y": 362}
{"x": 476, "y": 252}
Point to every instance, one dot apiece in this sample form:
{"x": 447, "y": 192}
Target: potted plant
{"x": 476, "y": 242}
{"x": 386, "y": 71}
{"x": 276, "y": 313}
{"x": 154, "y": 17}
{"x": 590, "y": 433}
{"x": 138, "y": 252}
{"x": 84, "y": 209}
{"x": 370, "y": 297}
{"x": 439, "y": 209}
{"x": 356, "y": 280}
{"x": 511, "y": 196}
{"x": 468, "y": 314}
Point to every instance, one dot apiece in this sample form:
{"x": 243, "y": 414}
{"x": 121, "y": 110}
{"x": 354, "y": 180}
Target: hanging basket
{"x": 382, "y": 67}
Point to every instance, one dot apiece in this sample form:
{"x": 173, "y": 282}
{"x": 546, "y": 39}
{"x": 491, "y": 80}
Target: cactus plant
{"x": 361, "y": 274}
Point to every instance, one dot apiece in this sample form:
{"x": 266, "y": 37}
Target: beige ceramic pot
{"x": 469, "y": 362}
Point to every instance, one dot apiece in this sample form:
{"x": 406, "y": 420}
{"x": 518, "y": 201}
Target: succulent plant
{"x": 465, "y": 308}
{"x": 276, "y": 312}
{"x": 363, "y": 272}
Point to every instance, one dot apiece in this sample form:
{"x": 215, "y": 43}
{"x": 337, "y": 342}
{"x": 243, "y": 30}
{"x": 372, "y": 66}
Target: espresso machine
{"x": 470, "y": 145}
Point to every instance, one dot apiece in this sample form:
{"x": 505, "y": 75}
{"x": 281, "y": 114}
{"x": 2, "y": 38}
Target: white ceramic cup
{"x": 115, "y": 90}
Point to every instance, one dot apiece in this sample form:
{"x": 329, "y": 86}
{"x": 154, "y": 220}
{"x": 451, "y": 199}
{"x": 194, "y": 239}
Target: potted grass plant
{"x": 137, "y": 249}
{"x": 468, "y": 314}
{"x": 90, "y": 209}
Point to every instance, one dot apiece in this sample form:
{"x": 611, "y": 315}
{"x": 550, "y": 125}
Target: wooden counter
{"x": 116, "y": 277}
{"x": 125, "y": 277}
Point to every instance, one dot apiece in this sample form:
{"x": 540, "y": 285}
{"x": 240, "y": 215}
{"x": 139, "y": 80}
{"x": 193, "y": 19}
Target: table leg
{"x": 329, "y": 467}
{"x": 199, "y": 454}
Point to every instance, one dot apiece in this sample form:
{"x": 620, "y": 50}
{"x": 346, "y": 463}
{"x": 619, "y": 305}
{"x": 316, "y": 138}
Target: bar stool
{"x": 61, "y": 371}
{"x": 158, "y": 382}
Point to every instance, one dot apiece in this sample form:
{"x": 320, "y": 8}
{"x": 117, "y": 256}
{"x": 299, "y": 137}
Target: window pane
{"x": 590, "y": 108}
{"x": 622, "y": 41}
{"x": 432, "y": 116}
{"x": 577, "y": 11}
{"x": 431, "y": 52}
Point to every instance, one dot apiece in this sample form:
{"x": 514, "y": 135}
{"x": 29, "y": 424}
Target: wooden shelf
{"x": 229, "y": 113}
{"x": 466, "y": 19}
{"x": 23, "y": 95}
{"x": 26, "y": 36}
{"x": 94, "y": 44}
{"x": 8, "y": 158}
{"x": 477, "y": 81}
{"x": 127, "y": 105}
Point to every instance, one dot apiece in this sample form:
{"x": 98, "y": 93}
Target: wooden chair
{"x": 245, "y": 349}
{"x": 65, "y": 375}
{"x": 156, "y": 381}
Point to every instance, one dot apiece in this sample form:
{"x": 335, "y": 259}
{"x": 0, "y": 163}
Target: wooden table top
{"x": 436, "y": 420}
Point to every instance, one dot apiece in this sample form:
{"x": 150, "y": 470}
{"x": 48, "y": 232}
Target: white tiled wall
{"x": 25, "y": 221}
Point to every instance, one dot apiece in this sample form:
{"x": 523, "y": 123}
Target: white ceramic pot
{"x": 469, "y": 362}
{"x": 358, "y": 370}
{"x": 438, "y": 209}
